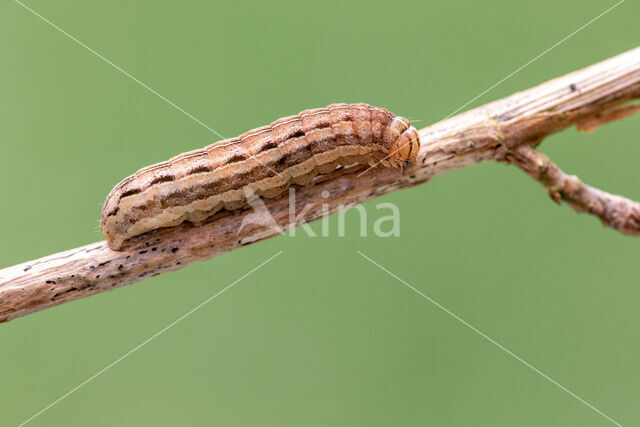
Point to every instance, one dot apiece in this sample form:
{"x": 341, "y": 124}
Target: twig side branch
{"x": 506, "y": 130}
{"x": 615, "y": 211}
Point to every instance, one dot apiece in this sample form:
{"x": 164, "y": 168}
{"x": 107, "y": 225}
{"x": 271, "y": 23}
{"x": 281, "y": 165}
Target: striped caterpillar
{"x": 265, "y": 161}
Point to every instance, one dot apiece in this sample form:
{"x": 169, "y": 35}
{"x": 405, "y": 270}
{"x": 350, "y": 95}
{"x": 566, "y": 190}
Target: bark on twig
{"x": 614, "y": 211}
{"x": 506, "y": 131}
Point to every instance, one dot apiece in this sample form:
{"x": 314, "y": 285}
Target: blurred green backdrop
{"x": 319, "y": 336}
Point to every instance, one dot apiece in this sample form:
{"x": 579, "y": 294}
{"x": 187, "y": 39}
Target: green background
{"x": 319, "y": 336}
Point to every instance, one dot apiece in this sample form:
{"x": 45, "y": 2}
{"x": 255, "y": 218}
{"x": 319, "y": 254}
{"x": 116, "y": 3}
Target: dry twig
{"x": 507, "y": 130}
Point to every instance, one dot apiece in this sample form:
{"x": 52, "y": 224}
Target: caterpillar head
{"x": 406, "y": 146}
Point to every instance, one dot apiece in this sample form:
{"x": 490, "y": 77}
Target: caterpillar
{"x": 265, "y": 161}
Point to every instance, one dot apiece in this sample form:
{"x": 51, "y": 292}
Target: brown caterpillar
{"x": 265, "y": 161}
